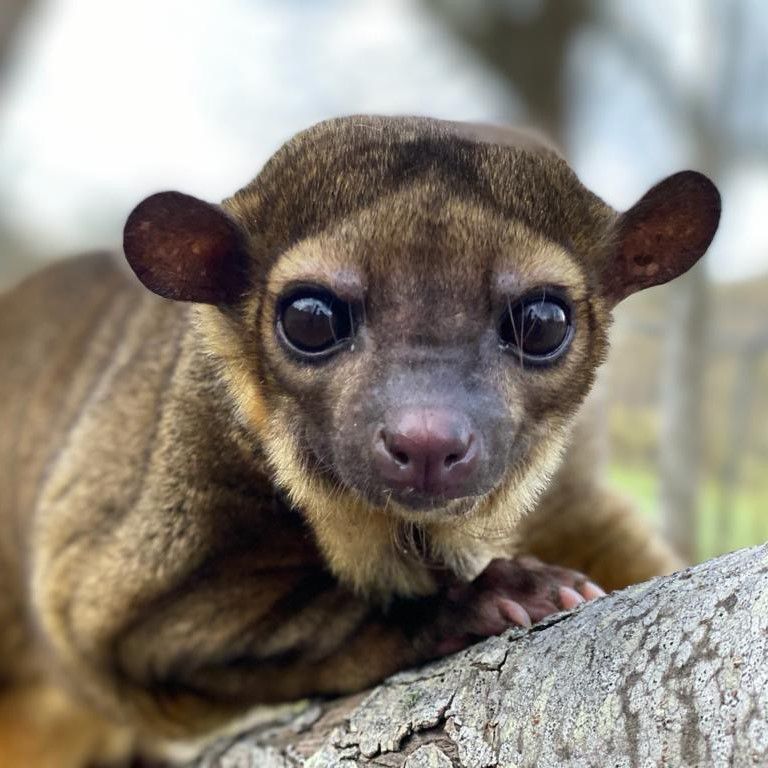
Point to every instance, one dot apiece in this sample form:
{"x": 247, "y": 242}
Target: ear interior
{"x": 185, "y": 249}
{"x": 663, "y": 235}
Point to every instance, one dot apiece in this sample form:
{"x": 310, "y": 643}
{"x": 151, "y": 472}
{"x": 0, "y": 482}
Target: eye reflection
{"x": 537, "y": 328}
{"x": 312, "y": 321}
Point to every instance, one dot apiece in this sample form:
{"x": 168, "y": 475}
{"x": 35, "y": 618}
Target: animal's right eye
{"x": 314, "y": 323}
{"x": 538, "y": 328}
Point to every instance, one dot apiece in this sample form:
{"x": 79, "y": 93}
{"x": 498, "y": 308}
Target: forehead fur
{"x": 430, "y": 250}
{"x": 341, "y": 166}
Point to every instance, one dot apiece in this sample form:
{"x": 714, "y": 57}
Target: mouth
{"x": 414, "y": 506}
{"x": 403, "y": 501}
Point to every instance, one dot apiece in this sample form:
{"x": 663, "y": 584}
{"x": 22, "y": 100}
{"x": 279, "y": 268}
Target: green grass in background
{"x": 746, "y": 525}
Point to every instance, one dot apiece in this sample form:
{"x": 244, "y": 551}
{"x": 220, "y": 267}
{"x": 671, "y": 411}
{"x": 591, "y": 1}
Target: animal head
{"x": 409, "y": 312}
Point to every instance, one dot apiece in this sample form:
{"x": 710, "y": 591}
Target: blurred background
{"x": 105, "y": 101}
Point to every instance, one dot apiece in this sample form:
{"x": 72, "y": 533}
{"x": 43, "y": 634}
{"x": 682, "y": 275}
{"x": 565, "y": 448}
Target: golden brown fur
{"x": 170, "y": 551}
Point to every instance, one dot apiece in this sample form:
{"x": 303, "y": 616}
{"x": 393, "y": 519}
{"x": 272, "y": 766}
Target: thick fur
{"x": 174, "y": 548}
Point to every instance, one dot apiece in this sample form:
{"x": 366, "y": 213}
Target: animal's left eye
{"x": 537, "y": 328}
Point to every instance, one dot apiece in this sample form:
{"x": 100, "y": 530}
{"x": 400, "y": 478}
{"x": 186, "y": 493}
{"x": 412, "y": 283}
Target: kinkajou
{"x": 338, "y": 435}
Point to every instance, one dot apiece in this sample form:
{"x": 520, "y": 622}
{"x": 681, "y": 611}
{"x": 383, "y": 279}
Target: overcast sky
{"x": 110, "y": 101}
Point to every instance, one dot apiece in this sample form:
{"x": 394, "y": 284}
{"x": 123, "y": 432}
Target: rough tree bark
{"x": 670, "y": 672}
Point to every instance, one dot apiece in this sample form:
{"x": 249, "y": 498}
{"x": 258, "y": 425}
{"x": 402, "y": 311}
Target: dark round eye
{"x": 314, "y": 322}
{"x": 537, "y": 328}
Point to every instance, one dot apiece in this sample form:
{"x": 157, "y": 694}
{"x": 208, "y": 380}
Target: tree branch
{"x": 671, "y": 672}
{"x": 12, "y": 13}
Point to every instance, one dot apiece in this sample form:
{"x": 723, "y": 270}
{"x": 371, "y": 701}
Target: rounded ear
{"x": 663, "y": 235}
{"x": 186, "y": 249}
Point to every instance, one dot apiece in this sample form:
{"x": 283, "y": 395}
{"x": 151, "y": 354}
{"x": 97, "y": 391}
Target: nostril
{"x": 400, "y": 457}
{"x": 463, "y": 450}
{"x": 392, "y": 448}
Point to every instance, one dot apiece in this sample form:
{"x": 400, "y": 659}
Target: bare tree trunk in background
{"x": 13, "y": 261}
{"x": 528, "y": 49}
{"x": 11, "y": 14}
{"x": 682, "y": 380}
{"x": 748, "y": 361}
{"x": 672, "y": 672}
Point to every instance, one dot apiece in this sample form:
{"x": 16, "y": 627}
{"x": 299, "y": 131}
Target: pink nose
{"x": 432, "y": 451}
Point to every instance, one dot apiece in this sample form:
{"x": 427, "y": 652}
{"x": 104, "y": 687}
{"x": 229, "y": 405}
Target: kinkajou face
{"x": 432, "y": 360}
{"x": 423, "y": 317}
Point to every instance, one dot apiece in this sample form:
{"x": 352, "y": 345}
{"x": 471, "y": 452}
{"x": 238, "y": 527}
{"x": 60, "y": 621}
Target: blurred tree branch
{"x": 528, "y": 49}
{"x": 12, "y": 12}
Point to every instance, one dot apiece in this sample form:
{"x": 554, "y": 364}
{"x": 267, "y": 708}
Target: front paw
{"x": 509, "y": 592}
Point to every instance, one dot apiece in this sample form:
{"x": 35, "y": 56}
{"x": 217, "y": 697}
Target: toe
{"x": 513, "y": 612}
{"x": 569, "y": 598}
{"x": 589, "y": 590}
